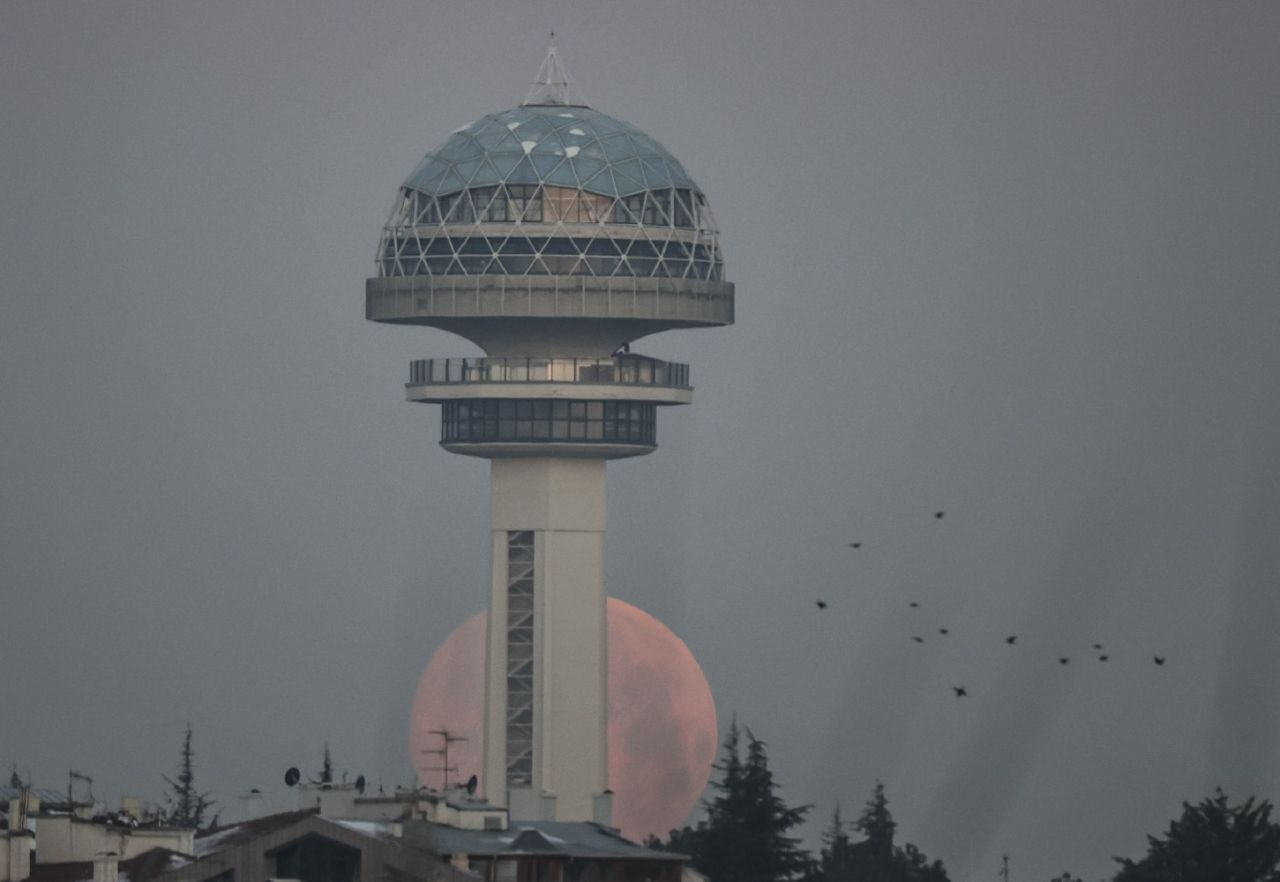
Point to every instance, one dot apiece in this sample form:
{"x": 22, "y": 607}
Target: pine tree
{"x": 326, "y": 770}
{"x": 744, "y": 838}
{"x": 876, "y": 856}
{"x": 878, "y": 859}
{"x": 1212, "y": 842}
{"x": 187, "y": 807}
{"x": 837, "y": 858}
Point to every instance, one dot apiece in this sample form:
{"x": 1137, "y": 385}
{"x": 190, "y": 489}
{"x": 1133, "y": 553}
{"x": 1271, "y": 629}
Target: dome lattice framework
{"x": 551, "y": 189}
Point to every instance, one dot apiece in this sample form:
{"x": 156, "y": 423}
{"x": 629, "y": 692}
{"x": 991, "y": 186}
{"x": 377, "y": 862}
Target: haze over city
{"x": 1014, "y": 264}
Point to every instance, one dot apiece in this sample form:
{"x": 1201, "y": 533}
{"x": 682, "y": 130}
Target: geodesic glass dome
{"x": 551, "y": 189}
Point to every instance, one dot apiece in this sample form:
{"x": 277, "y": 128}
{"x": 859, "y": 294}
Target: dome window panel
{"x": 474, "y": 246}
{"x": 657, "y": 207}
{"x": 516, "y": 245}
{"x": 603, "y": 266}
{"x": 474, "y": 266}
{"x": 503, "y": 165}
{"x": 446, "y": 205}
{"x": 587, "y": 168}
{"x": 438, "y": 266}
{"x": 525, "y": 201}
{"x": 483, "y": 198}
{"x": 561, "y": 266}
{"x": 641, "y": 248}
{"x": 524, "y": 172}
{"x": 467, "y": 169}
{"x": 682, "y": 211}
{"x": 515, "y": 266}
{"x": 439, "y": 246}
{"x": 655, "y": 173}
{"x": 677, "y": 248}
{"x": 559, "y": 246}
{"x": 628, "y": 209}
{"x": 602, "y": 247}
{"x": 643, "y": 266}
{"x": 617, "y": 147}
{"x": 427, "y": 212}
{"x": 462, "y": 211}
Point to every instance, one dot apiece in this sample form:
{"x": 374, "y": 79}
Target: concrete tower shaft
{"x": 550, "y": 235}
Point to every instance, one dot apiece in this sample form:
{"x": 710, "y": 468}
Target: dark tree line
{"x": 746, "y": 836}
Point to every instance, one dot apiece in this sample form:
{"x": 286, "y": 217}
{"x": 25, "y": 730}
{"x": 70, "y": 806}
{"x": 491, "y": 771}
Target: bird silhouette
{"x": 822, "y": 604}
{"x": 855, "y": 544}
{"x": 1011, "y": 639}
{"x": 939, "y": 514}
{"x": 1097, "y": 646}
{"x": 1103, "y": 657}
{"x": 1064, "y": 660}
{"x": 918, "y": 639}
{"x": 960, "y": 691}
{"x": 943, "y": 631}
{"x": 913, "y": 605}
{"x": 1159, "y": 659}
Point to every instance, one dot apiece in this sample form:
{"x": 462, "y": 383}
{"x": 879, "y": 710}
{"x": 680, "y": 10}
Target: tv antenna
{"x": 72, "y": 777}
{"x": 447, "y": 738}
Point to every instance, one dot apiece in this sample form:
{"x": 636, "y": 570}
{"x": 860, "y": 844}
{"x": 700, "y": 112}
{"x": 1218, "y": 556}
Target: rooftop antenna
{"x": 444, "y": 766}
{"x": 552, "y": 84}
{"x": 73, "y": 776}
{"x": 1004, "y": 868}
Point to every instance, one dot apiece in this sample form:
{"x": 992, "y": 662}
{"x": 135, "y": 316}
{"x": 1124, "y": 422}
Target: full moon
{"x": 662, "y": 720}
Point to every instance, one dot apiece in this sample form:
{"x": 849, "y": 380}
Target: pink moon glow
{"x": 662, "y": 720}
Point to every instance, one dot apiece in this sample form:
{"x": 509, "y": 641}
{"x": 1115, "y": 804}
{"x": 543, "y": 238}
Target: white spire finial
{"x": 552, "y": 84}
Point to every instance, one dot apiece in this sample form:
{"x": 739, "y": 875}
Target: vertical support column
{"x": 548, "y": 524}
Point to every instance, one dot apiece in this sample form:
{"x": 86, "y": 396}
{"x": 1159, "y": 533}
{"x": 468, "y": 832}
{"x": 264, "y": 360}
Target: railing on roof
{"x": 621, "y": 370}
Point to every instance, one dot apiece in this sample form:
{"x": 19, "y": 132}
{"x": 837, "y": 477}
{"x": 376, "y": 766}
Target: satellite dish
{"x": 360, "y": 785}
{"x": 472, "y": 783}
{"x": 292, "y": 776}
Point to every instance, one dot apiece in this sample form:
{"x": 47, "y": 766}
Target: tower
{"x": 551, "y": 236}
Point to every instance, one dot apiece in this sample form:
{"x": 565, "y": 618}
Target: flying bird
{"x": 1097, "y": 646}
{"x": 918, "y": 639}
{"x": 1011, "y": 639}
{"x": 855, "y": 544}
{"x": 943, "y": 631}
{"x": 960, "y": 691}
{"x": 1063, "y": 660}
{"x": 822, "y": 604}
{"x": 939, "y": 514}
{"x": 1103, "y": 657}
{"x": 913, "y": 605}
{"x": 1159, "y": 659}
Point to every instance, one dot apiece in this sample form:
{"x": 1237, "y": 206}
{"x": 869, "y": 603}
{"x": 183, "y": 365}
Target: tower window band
{"x": 487, "y": 420}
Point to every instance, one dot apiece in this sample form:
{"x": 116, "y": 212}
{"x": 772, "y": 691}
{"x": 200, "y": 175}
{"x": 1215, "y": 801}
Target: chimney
{"x": 106, "y": 867}
{"x": 251, "y": 805}
{"x": 602, "y": 808}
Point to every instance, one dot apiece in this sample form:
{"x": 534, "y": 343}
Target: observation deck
{"x": 634, "y": 378}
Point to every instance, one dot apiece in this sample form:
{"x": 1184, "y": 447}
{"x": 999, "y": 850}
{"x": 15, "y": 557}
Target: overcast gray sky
{"x": 1013, "y": 261}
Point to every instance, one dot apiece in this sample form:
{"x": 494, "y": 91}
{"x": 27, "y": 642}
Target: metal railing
{"x": 622, "y": 370}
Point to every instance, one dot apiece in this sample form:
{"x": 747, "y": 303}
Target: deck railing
{"x": 622, "y": 370}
